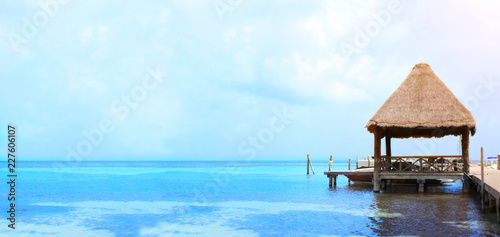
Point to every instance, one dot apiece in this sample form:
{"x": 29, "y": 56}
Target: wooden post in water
{"x": 498, "y": 209}
{"x": 376, "y": 167}
{"x": 421, "y": 185}
{"x": 330, "y": 164}
{"x": 491, "y": 202}
{"x": 308, "y": 163}
{"x": 482, "y": 175}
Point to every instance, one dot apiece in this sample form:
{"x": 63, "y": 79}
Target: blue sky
{"x": 226, "y": 80}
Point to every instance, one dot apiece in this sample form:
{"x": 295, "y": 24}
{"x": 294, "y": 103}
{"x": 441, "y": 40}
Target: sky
{"x": 235, "y": 79}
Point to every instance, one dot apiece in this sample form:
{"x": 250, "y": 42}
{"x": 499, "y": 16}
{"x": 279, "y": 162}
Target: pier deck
{"x": 419, "y": 176}
{"x": 491, "y": 179}
{"x": 490, "y": 195}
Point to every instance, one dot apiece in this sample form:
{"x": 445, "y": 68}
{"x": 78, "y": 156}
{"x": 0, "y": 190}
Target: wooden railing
{"x": 440, "y": 164}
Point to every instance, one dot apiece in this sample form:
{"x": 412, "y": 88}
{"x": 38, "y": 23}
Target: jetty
{"x": 418, "y": 169}
{"x": 421, "y": 107}
{"x": 486, "y": 182}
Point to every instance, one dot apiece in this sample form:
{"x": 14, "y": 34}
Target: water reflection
{"x": 439, "y": 211}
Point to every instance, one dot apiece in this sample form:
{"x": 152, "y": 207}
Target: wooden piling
{"x": 491, "y": 202}
{"x": 308, "y": 163}
{"x": 421, "y": 185}
{"x": 482, "y": 175}
{"x": 376, "y": 168}
{"x": 357, "y": 160}
{"x": 498, "y": 208}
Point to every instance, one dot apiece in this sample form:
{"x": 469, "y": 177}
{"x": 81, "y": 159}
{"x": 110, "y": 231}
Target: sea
{"x": 227, "y": 198}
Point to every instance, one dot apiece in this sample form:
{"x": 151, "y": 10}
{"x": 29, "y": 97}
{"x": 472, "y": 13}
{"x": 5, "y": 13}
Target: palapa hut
{"x": 422, "y": 106}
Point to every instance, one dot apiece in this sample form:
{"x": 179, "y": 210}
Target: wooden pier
{"x": 489, "y": 190}
{"x": 332, "y": 175}
{"x": 421, "y": 170}
{"x": 388, "y": 177}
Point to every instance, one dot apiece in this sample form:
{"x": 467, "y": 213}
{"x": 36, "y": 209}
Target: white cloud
{"x": 267, "y": 55}
{"x": 85, "y": 83}
{"x": 100, "y": 33}
{"x": 314, "y": 26}
{"x": 317, "y": 77}
{"x": 86, "y": 34}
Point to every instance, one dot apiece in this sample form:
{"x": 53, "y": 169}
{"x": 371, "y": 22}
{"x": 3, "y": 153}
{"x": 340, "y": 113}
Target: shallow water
{"x": 229, "y": 199}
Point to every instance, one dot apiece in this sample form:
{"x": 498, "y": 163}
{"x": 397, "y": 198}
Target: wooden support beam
{"x": 349, "y": 164}
{"x": 330, "y": 178}
{"x": 376, "y": 168}
{"x": 498, "y": 209}
{"x": 308, "y": 163}
{"x": 465, "y": 149}
{"x": 388, "y": 146}
{"x": 421, "y": 185}
{"x": 491, "y": 202}
{"x": 466, "y": 183}
{"x": 482, "y": 175}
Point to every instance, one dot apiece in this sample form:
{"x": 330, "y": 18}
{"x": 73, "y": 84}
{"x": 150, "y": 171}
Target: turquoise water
{"x": 228, "y": 199}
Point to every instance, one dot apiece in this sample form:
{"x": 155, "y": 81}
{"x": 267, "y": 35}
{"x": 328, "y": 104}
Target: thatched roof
{"x": 422, "y": 106}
